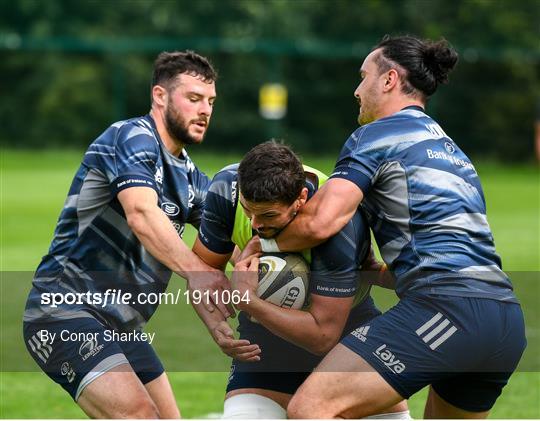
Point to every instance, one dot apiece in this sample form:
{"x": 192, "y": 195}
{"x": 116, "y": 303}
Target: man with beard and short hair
{"x": 121, "y": 228}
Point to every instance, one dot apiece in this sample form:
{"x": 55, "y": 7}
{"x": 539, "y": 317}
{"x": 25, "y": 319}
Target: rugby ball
{"x": 283, "y": 279}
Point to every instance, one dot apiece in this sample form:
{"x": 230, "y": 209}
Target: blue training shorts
{"x": 283, "y": 366}
{"x": 466, "y": 348}
{"x": 83, "y": 349}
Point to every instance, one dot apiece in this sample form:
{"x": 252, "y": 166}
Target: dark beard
{"x": 177, "y": 128}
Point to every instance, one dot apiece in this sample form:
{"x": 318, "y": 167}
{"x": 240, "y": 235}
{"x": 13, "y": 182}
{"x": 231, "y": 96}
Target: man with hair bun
{"x": 458, "y": 327}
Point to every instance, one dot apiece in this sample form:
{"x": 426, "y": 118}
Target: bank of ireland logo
{"x": 449, "y": 147}
{"x": 89, "y": 348}
{"x": 171, "y": 209}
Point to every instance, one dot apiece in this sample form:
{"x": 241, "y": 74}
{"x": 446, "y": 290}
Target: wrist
{"x": 251, "y": 304}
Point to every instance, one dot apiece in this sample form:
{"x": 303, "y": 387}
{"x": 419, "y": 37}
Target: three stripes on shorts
{"x": 40, "y": 348}
{"x": 436, "y": 331}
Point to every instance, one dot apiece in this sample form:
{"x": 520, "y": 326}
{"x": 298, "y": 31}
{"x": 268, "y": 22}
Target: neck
{"x": 173, "y": 145}
{"x": 396, "y": 105}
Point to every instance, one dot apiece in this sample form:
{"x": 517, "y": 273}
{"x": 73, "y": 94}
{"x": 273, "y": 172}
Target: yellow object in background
{"x": 273, "y": 101}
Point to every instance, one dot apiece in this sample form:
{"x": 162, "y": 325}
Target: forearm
{"x": 210, "y": 319}
{"x": 158, "y": 236}
{"x": 296, "y": 326}
{"x": 323, "y": 216}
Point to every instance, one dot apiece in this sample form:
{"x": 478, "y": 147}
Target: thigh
{"x": 343, "y": 385}
{"x": 117, "y": 394}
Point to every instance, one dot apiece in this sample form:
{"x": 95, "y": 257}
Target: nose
{"x": 206, "y": 108}
{"x": 255, "y": 224}
{"x": 357, "y": 92}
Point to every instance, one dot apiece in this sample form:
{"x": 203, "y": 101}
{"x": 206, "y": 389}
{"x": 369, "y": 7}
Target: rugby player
{"x": 121, "y": 229}
{"x": 458, "y": 326}
{"x": 262, "y": 195}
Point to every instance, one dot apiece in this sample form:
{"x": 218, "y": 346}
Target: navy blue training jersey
{"x": 334, "y": 265}
{"x": 425, "y": 206}
{"x": 94, "y": 249}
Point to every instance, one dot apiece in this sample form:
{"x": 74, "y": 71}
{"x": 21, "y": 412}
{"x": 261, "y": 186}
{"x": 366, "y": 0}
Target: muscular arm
{"x": 316, "y": 330}
{"x": 216, "y": 260}
{"x": 323, "y": 216}
{"x": 158, "y": 236}
{"x": 156, "y": 232}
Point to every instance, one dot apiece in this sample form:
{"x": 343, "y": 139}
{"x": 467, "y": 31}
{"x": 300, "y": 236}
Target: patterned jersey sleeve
{"x": 199, "y": 185}
{"x": 136, "y": 157}
{"x": 360, "y": 158}
{"x": 335, "y": 263}
{"x": 218, "y": 214}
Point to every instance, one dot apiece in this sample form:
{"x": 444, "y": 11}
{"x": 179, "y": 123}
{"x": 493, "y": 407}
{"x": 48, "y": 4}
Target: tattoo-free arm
{"x": 323, "y": 216}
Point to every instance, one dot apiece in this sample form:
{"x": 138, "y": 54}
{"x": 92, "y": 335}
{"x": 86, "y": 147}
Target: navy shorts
{"x": 83, "y": 349}
{"x": 465, "y": 348}
{"x": 283, "y": 366}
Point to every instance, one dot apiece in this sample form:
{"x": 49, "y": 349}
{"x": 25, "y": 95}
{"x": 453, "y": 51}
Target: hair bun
{"x": 440, "y": 58}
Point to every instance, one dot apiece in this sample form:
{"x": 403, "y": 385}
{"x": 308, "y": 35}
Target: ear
{"x": 159, "y": 95}
{"x": 391, "y": 79}
{"x": 302, "y": 198}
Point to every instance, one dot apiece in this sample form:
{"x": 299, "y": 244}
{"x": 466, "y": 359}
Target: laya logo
{"x": 388, "y": 358}
{"x": 170, "y": 208}
{"x": 449, "y": 147}
{"x": 89, "y": 348}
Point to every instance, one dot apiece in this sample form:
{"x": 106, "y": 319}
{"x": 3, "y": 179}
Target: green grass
{"x": 33, "y": 187}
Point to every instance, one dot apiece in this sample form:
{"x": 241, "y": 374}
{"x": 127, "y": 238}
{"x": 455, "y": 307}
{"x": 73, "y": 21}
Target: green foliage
{"x": 70, "y": 68}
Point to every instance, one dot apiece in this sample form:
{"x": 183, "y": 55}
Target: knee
{"x": 301, "y": 408}
{"x": 141, "y": 409}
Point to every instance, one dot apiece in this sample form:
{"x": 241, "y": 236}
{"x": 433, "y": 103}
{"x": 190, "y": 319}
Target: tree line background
{"x": 70, "y": 68}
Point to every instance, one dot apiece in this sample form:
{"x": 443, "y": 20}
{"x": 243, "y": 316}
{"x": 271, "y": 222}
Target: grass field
{"x": 33, "y": 186}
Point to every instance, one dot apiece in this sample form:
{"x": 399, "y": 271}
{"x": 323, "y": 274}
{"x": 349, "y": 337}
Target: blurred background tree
{"x": 70, "y": 68}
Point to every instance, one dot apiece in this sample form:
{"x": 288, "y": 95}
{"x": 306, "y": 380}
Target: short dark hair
{"x": 426, "y": 63}
{"x": 271, "y": 172}
{"x": 169, "y": 65}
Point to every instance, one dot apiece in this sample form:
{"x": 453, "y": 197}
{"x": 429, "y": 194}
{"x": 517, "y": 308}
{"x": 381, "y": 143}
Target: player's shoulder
{"x": 225, "y": 182}
{"x": 136, "y": 134}
{"x": 227, "y": 174}
{"x": 386, "y": 133}
{"x": 134, "y": 127}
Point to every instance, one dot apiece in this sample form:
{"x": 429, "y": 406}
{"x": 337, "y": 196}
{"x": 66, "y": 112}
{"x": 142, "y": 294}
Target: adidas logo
{"x": 361, "y": 333}
{"x": 436, "y": 331}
